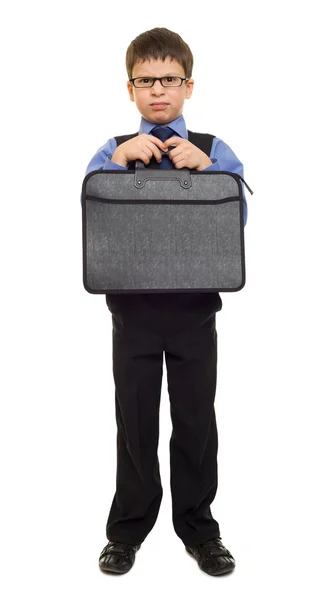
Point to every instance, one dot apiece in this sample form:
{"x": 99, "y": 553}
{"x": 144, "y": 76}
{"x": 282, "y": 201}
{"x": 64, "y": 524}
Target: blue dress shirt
{"x": 221, "y": 156}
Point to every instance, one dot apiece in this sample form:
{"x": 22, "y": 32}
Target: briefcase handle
{"x": 142, "y": 175}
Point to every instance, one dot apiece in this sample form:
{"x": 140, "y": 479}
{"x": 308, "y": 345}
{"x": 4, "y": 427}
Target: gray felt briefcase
{"x": 151, "y": 230}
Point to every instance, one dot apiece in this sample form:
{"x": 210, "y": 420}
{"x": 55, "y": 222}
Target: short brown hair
{"x": 159, "y": 43}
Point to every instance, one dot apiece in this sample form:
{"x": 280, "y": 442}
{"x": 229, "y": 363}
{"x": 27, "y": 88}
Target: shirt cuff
{"x": 111, "y": 165}
{"x": 210, "y": 168}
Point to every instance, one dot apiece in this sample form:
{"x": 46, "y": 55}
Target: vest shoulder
{"x": 126, "y": 135}
{"x": 200, "y": 133}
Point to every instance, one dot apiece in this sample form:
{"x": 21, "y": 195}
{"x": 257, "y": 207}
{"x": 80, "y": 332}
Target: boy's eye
{"x": 169, "y": 79}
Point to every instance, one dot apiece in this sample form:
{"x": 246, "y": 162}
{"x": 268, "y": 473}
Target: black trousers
{"x": 183, "y": 326}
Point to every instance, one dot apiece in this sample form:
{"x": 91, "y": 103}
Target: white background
{"x": 63, "y": 95}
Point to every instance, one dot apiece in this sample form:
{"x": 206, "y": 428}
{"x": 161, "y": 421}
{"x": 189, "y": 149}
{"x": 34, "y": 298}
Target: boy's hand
{"x": 186, "y": 154}
{"x": 142, "y": 146}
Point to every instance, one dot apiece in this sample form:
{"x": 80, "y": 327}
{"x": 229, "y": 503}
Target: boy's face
{"x": 160, "y": 104}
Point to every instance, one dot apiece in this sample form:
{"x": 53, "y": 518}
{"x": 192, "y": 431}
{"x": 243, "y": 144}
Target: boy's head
{"x": 159, "y": 53}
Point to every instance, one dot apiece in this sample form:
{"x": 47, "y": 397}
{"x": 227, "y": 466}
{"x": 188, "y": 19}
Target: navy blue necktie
{"x": 163, "y": 134}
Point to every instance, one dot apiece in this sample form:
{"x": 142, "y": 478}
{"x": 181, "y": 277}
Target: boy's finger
{"x": 174, "y": 141}
{"x": 156, "y": 151}
{"x": 156, "y": 140}
{"x": 157, "y": 154}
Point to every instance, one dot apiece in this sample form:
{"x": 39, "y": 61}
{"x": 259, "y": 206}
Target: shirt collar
{"x": 178, "y": 125}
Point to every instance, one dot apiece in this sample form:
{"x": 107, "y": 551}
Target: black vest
{"x": 203, "y": 141}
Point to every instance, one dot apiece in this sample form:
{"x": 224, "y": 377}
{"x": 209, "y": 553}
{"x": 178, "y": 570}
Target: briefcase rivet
{"x": 185, "y": 182}
{"x": 139, "y": 182}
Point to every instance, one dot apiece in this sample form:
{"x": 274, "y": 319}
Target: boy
{"x": 159, "y": 65}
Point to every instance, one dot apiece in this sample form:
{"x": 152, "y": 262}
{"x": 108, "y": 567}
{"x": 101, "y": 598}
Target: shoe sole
{"x": 113, "y": 571}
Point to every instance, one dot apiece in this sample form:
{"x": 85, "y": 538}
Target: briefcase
{"x": 160, "y": 231}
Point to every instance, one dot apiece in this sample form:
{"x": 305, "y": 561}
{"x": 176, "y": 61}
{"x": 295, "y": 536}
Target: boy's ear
{"x": 130, "y": 90}
{"x": 189, "y": 88}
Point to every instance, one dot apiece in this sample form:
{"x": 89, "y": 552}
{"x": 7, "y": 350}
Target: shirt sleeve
{"x": 224, "y": 159}
{"x": 102, "y": 159}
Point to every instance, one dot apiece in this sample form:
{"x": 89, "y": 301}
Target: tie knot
{"x": 162, "y": 133}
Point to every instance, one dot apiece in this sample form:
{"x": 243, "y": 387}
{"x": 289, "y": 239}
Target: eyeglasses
{"x": 148, "y": 82}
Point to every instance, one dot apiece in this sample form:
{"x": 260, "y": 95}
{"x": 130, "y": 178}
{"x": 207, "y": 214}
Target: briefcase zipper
{"x": 161, "y": 201}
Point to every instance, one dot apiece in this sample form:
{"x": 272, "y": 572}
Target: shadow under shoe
{"x": 117, "y": 557}
{"x": 212, "y": 557}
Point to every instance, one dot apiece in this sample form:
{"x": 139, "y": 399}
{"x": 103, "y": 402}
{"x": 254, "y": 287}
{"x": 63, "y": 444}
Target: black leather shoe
{"x": 213, "y": 557}
{"x": 117, "y": 557}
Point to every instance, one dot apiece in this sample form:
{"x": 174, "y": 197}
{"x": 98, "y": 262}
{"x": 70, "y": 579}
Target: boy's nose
{"x": 157, "y": 87}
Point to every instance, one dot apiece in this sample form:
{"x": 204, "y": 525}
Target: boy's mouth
{"x": 159, "y": 105}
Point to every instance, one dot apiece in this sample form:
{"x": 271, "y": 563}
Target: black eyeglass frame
{"x": 154, "y": 79}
